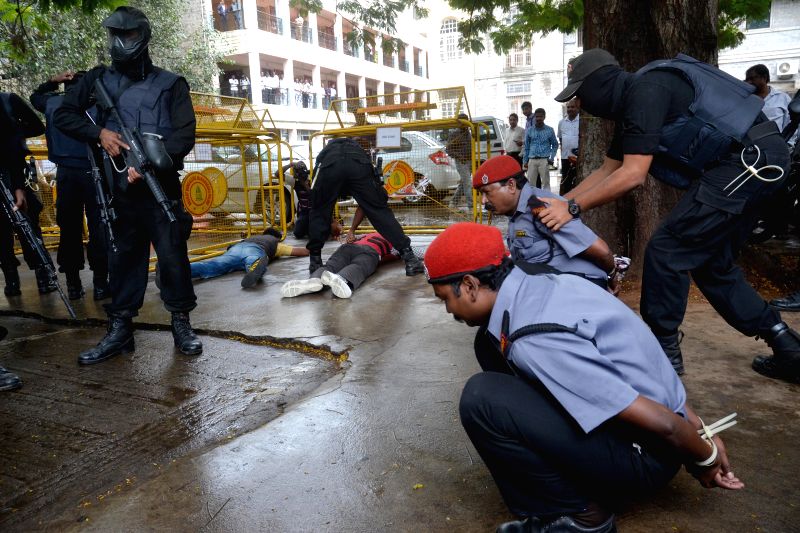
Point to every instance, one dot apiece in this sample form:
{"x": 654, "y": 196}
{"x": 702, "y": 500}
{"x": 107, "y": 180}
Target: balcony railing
{"x": 388, "y": 60}
{"x": 404, "y": 66}
{"x": 269, "y": 22}
{"x": 370, "y": 56}
{"x": 327, "y": 39}
{"x": 307, "y": 100}
{"x": 420, "y": 72}
{"x": 238, "y": 92}
{"x": 275, "y": 96}
{"x": 302, "y": 33}
{"x": 349, "y": 49}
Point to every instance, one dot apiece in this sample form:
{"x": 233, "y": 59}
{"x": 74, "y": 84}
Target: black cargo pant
{"x": 702, "y": 237}
{"x": 343, "y": 175}
{"x": 543, "y": 463}
{"x": 353, "y": 262}
{"x": 138, "y": 225}
{"x": 75, "y": 193}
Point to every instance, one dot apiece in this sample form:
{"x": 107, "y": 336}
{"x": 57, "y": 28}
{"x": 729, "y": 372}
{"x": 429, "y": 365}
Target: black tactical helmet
{"x": 128, "y": 34}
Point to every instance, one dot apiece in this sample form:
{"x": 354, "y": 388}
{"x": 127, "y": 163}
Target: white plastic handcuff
{"x": 753, "y": 171}
{"x": 707, "y": 432}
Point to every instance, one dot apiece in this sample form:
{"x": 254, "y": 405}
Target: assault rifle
{"x": 25, "y": 233}
{"x": 107, "y": 213}
{"x": 145, "y": 155}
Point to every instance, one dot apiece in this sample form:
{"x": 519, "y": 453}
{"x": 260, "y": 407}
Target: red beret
{"x": 461, "y": 249}
{"x": 498, "y": 168}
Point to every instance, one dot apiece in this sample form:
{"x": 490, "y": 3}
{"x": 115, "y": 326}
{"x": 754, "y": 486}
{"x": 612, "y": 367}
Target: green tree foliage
{"x": 54, "y": 40}
{"x": 510, "y": 23}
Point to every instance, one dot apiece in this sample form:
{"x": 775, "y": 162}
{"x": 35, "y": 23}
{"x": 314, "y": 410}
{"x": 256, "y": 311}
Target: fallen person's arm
{"x": 682, "y": 435}
{"x": 358, "y": 217}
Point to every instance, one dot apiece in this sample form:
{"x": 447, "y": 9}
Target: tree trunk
{"x": 637, "y": 32}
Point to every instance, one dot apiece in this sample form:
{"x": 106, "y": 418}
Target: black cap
{"x": 126, "y": 18}
{"x": 582, "y": 67}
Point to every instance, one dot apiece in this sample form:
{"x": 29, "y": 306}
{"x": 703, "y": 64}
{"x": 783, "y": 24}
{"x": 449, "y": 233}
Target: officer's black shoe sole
{"x": 770, "y": 367}
{"x": 790, "y": 308}
{"x": 47, "y": 289}
{"x": 88, "y": 357}
{"x": 9, "y": 381}
{"x": 75, "y": 293}
{"x": 192, "y": 349}
{"x": 101, "y": 293}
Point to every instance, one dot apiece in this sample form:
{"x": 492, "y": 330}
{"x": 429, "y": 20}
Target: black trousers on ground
{"x": 702, "y": 237}
{"x": 76, "y": 193}
{"x": 137, "y": 226}
{"x": 541, "y": 460}
{"x": 345, "y": 176}
{"x": 301, "y": 226}
{"x": 7, "y": 256}
{"x": 353, "y": 262}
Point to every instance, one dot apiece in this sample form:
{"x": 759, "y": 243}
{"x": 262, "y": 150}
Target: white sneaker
{"x": 338, "y": 284}
{"x": 296, "y": 287}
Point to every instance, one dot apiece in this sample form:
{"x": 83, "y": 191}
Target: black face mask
{"x": 601, "y": 92}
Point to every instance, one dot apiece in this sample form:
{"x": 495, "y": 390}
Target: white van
{"x": 497, "y": 134}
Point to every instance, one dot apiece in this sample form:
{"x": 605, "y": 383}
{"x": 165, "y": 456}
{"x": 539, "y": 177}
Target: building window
{"x": 448, "y": 108}
{"x": 760, "y": 23}
{"x": 448, "y": 41}
{"x": 520, "y": 56}
{"x": 304, "y": 135}
{"x": 515, "y": 104}
{"x": 520, "y": 87}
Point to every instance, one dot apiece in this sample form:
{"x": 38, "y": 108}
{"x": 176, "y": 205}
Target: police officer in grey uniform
{"x": 154, "y": 101}
{"x": 581, "y": 412}
{"x": 575, "y": 249}
{"x": 344, "y": 168}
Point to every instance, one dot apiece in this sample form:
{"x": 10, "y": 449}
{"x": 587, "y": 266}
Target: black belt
{"x": 539, "y": 157}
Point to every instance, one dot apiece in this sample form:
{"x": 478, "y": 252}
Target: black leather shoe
{"x": 529, "y": 525}
{"x": 413, "y": 265}
{"x": 255, "y": 273}
{"x": 564, "y": 524}
{"x": 118, "y": 339}
{"x": 43, "y": 282}
{"x": 787, "y": 303}
{"x": 315, "y": 263}
{"x": 74, "y": 286}
{"x": 671, "y": 344}
{"x": 12, "y": 282}
{"x": 785, "y": 362}
{"x": 101, "y": 291}
{"x": 185, "y": 339}
{"x": 9, "y": 380}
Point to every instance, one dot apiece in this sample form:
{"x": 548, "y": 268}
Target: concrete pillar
{"x": 341, "y": 86}
{"x": 312, "y": 23}
{"x": 412, "y": 68}
{"x": 338, "y": 32}
{"x": 288, "y": 81}
{"x": 282, "y": 12}
{"x": 381, "y": 89}
{"x": 255, "y": 76}
{"x": 249, "y": 14}
{"x": 362, "y": 91}
{"x": 316, "y": 83}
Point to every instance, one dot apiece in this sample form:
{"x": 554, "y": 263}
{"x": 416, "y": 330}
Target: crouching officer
{"x": 579, "y": 411}
{"x": 344, "y": 168}
{"x": 694, "y": 127}
{"x": 153, "y": 101}
{"x": 75, "y": 192}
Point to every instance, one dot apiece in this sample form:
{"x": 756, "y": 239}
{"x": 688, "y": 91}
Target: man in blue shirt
{"x": 539, "y": 151}
{"x": 574, "y": 249}
{"x": 578, "y": 410}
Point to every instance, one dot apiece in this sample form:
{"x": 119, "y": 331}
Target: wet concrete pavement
{"x": 372, "y": 445}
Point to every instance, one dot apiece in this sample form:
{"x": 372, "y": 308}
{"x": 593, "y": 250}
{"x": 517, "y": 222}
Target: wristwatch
{"x": 574, "y": 209}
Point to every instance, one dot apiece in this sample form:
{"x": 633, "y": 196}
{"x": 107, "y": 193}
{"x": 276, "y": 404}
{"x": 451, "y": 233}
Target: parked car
{"x": 429, "y": 161}
{"x": 496, "y": 135}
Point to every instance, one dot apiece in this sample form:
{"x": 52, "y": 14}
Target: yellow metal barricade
{"x": 428, "y": 149}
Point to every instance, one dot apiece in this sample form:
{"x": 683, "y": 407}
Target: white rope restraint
{"x": 707, "y": 432}
{"x": 753, "y": 171}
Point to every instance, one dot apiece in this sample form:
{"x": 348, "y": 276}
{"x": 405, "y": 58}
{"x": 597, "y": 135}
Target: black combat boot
{"x": 671, "y": 344}
{"x": 12, "y": 281}
{"x": 185, "y": 339}
{"x": 785, "y": 362}
{"x": 43, "y": 281}
{"x": 118, "y": 339}
{"x": 315, "y": 262}
{"x": 787, "y": 303}
{"x": 74, "y": 286}
{"x": 101, "y": 289}
{"x": 413, "y": 265}
{"x": 9, "y": 380}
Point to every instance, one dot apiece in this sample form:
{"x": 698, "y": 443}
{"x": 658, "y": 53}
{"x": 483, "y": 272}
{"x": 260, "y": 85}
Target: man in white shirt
{"x": 515, "y": 138}
{"x": 775, "y": 102}
{"x": 567, "y": 134}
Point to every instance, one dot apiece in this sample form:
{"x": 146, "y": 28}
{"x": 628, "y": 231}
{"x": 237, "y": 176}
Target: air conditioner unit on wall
{"x": 787, "y": 68}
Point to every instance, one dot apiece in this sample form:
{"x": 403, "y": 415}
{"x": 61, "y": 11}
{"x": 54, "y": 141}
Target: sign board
{"x": 388, "y": 137}
{"x": 198, "y": 193}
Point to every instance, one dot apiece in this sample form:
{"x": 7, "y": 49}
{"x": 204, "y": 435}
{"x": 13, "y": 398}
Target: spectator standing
{"x": 568, "y": 129}
{"x": 515, "y": 138}
{"x": 527, "y": 112}
{"x": 233, "y": 81}
{"x": 459, "y": 147}
{"x": 539, "y": 151}
{"x": 307, "y": 92}
{"x": 267, "y": 88}
{"x": 776, "y": 103}
{"x": 245, "y": 86}
{"x": 222, "y": 12}
{"x": 236, "y": 10}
